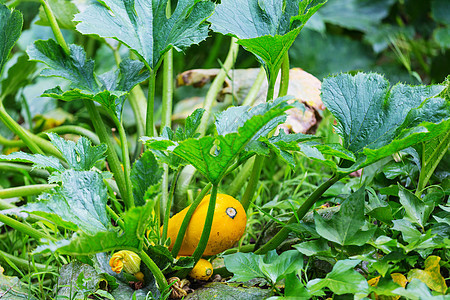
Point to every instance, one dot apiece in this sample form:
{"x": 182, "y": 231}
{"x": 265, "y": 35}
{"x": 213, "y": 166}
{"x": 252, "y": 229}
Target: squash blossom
{"x": 129, "y": 261}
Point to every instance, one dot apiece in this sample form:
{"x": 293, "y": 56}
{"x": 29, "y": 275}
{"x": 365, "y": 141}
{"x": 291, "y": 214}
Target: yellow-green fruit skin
{"x": 227, "y": 228}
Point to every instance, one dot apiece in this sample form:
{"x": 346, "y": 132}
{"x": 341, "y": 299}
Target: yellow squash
{"x": 227, "y": 228}
{"x": 202, "y": 270}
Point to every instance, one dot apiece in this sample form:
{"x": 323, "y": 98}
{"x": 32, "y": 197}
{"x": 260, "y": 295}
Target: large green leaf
{"x": 267, "y": 28}
{"x": 108, "y": 89}
{"x": 355, "y": 14}
{"x": 80, "y": 201}
{"x": 169, "y": 138}
{"x": 212, "y": 156}
{"x": 375, "y": 121}
{"x": 342, "y": 280}
{"x": 80, "y": 156}
{"x": 38, "y": 160}
{"x": 11, "y": 288}
{"x": 145, "y": 174}
{"x": 144, "y": 27}
{"x": 18, "y": 75}
{"x": 10, "y": 28}
{"x": 271, "y": 266}
{"x": 131, "y": 237}
{"x": 344, "y": 227}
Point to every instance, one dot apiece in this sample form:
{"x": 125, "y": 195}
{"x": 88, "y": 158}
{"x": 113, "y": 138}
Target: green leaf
{"x": 63, "y": 10}
{"x": 143, "y": 26}
{"x": 108, "y": 89}
{"x": 212, "y": 156}
{"x": 18, "y": 76}
{"x": 440, "y": 11}
{"x": 354, "y": 14}
{"x": 39, "y": 161}
{"x": 316, "y": 247}
{"x": 431, "y": 275}
{"x": 159, "y": 145}
{"x": 145, "y": 174}
{"x": 416, "y": 209}
{"x": 271, "y": 266}
{"x": 378, "y": 208}
{"x": 409, "y": 232}
{"x": 80, "y": 200}
{"x": 342, "y": 280}
{"x": 344, "y": 227}
{"x": 10, "y": 29}
{"x": 80, "y": 156}
{"x": 221, "y": 290}
{"x": 136, "y": 221}
{"x": 267, "y": 28}
{"x": 376, "y": 121}
{"x": 432, "y": 153}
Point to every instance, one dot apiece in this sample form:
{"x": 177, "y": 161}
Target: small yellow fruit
{"x": 139, "y": 276}
{"x": 227, "y": 228}
{"x": 202, "y": 270}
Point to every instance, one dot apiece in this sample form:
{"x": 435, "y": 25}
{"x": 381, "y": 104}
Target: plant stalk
{"x": 275, "y": 241}
{"x": 253, "y": 182}
{"x": 187, "y": 219}
{"x": 28, "y": 190}
{"x": 18, "y": 130}
{"x": 169, "y": 204}
{"x": 20, "y": 168}
{"x": 113, "y": 160}
{"x": 115, "y": 217}
{"x": 284, "y": 83}
{"x": 24, "y": 228}
{"x": 150, "y": 104}
{"x": 25, "y": 264}
{"x": 217, "y": 84}
{"x": 159, "y": 276}
{"x": 254, "y": 90}
{"x": 129, "y": 200}
{"x": 54, "y": 25}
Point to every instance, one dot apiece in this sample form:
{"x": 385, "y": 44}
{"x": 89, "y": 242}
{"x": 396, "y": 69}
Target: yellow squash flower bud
{"x": 129, "y": 261}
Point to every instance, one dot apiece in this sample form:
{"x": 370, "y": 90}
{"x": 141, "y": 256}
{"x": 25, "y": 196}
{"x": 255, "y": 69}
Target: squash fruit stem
{"x": 187, "y": 219}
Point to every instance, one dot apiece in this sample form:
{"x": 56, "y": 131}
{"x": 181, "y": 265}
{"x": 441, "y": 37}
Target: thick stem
{"x": 25, "y": 264}
{"x": 71, "y": 129}
{"x": 274, "y": 242}
{"x": 18, "y": 130}
{"x": 129, "y": 200}
{"x": 208, "y": 224}
{"x": 270, "y": 88}
{"x": 150, "y": 104}
{"x": 284, "y": 84}
{"x": 159, "y": 276}
{"x": 253, "y": 182}
{"x": 217, "y": 85}
{"x": 254, "y": 90}
{"x": 115, "y": 217}
{"x": 28, "y": 190}
{"x": 187, "y": 219}
{"x": 24, "y": 228}
{"x": 169, "y": 205}
{"x": 113, "y": 160}
{"x": 241, "y": 178}
{"x": 20, "y": 168}
{"x": 54, "y": 25}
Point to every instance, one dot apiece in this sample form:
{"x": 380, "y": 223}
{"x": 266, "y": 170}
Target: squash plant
{"x": 123, "y": 206}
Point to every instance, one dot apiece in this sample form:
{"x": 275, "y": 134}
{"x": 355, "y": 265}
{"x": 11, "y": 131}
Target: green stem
{"x": 169, "y": 204}
{"x": 284, "y": 84}
{"x": 5, "y": 205}
{"x": 187, "y": 219}
{"x": 282, "y": 235}
{"x": 150, "y": 104}
{"x": 54, "y": 25}
{"x": 28, "y": 190}
{"x": 20, "y": 168}
{"x": 160, "y": 279}
{"x": 25, "y": 264}
{"x": 113, "y": 160}
{"x": 256, "y": 87}
{"x": 253, "y": 182}
{"x": 115, "y": 217}
{"x": 18, "y": 130}
{"x": 167, "y": 95}
{"x": 270, "y": 88}
{"x": 208, "y": 224}
{"x": 241, "y": 178}
{"x": 129, "y": 200}
{"x": 23, "y": 227}
{"x": 217, "y": 84}
{"x": 72, "y": 129}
